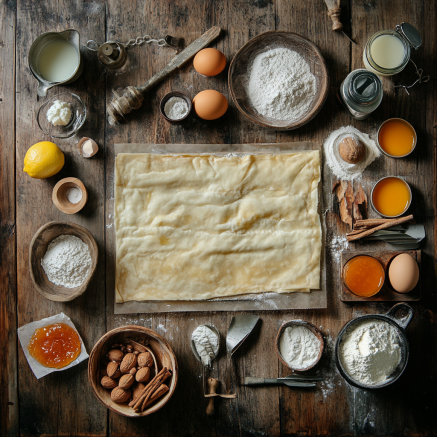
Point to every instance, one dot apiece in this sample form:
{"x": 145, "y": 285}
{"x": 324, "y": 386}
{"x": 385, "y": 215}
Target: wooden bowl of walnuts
{"x": 133, "y": 371}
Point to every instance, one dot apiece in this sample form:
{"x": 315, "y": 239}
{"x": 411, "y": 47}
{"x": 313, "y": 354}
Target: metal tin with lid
{"x": 361, "y": 93}
{"x": 407, "y": 35}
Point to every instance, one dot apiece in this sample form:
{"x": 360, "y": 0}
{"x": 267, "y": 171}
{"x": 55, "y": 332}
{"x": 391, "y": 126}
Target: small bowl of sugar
{"x": 299, "y": 345}
{"x": 69, "y": 195}
{"x": 175, "y": 107}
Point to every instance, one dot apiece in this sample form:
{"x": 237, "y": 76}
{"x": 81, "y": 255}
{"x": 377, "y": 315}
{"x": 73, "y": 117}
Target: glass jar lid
{"x": 364, "y": 87}
{"x": 410, "y": 34}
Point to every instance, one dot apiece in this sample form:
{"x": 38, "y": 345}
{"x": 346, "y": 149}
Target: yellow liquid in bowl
{"x": 391, "y": 197}
{"x": 397, "y": 138}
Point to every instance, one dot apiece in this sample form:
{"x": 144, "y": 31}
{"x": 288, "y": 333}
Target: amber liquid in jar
{"x": 363, "y": 275}
{"x": 55, "y": 345}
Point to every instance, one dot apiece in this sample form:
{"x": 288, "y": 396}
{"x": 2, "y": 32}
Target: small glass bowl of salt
{"x": 53, "y": 119}
{"x": 175, "y": 107}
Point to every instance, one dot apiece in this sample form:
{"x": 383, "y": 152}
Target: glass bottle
{"x": 361, "y": 93}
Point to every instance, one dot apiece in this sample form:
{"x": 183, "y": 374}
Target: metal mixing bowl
{"x": 399, "y": 324}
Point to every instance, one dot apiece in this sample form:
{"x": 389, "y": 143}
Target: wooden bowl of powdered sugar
{"x": 62, "y": 259}
{"x": 299, "y": 345}
{"x": 279, "y": 80}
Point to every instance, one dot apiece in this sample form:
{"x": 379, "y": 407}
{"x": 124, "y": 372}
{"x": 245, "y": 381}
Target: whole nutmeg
{"x": 352, "y": 150}
{"x": 108, "y": 382}
{"x": 137, "y": 389}
{"x": 112, "y": 370}
{"x": 115, "y": 355}
{"x": 129, "y": 361}
{"x": 126, "y": 381}
{"x": 133, "y": 371}
{"x": 145, "y": 359}
{"x": 119, "y": 395}
{"x": 143, "y": 375}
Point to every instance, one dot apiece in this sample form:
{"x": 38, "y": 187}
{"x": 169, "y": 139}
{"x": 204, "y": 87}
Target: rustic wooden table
{"x": 62, "y": 403}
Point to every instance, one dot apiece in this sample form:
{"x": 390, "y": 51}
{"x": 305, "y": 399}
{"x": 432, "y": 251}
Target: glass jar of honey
{"x": 363, "y": 275}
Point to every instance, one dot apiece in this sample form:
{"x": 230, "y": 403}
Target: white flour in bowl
{"x": 370, "y": 351}
{"x": 67, "y": 261}
{"x": 281, "y": 85}
{"x": 299, "y": 347}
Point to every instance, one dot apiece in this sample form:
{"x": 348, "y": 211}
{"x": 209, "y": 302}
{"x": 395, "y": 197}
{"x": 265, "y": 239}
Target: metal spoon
{"x": 239, "y": 330}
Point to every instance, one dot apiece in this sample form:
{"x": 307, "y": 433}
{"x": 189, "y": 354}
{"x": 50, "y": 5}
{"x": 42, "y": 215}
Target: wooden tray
{"x": 387, "y": 294}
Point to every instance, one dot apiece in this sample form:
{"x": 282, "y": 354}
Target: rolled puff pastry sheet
{"x": 205, "y": 226}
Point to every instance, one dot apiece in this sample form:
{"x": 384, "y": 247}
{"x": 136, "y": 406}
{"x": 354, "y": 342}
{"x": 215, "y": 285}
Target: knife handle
{"x": 260, "y": 381}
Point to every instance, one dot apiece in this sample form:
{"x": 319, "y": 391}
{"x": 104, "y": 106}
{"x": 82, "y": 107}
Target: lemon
{"x": 43, "y": 160}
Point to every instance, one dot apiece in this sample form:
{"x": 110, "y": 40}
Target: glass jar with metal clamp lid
{"x": 112, "y": 54}
{"x": 388, "y": 52}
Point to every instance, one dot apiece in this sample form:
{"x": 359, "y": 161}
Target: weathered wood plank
{"x": 9, "y": 407}
{"x": 61, "y": 403}
{"x": 391, "y": 412}
{"x": 334, "y": 408}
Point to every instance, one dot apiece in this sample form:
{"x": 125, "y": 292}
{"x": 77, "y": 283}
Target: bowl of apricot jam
{"x": 363, "y": 275}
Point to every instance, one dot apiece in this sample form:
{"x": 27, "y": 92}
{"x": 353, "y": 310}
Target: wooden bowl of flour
{"x": 37, "y": 249}
{"x": 310, "y": 327}
{"x": 240, "y": 66}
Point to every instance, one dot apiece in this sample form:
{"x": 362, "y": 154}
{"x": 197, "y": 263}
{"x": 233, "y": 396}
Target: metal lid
{"x": 365, "y": 87}
{"x": 410, "y": 34}
{"x": 112, "y": 54}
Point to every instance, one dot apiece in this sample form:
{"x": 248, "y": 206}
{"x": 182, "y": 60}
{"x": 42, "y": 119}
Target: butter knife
{"x": 302, "y": 383}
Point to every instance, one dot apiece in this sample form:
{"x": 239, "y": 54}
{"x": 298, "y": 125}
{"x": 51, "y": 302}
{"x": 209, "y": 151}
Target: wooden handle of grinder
{"x": 334, "y": 15}
{"x": 213, "y": 385}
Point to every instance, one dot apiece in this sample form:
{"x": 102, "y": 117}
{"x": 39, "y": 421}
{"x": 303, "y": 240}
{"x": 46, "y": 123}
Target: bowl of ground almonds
{"x": 279, "y": 80}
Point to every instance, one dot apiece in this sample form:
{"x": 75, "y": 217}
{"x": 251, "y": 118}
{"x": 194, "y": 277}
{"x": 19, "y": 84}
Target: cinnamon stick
{"x": 147, "y": 387}
{"x": 152, "y": 391}
{"x": 372, "y": 222}
{"x": 387, "y": 224}
{"x": 161, "y": 391}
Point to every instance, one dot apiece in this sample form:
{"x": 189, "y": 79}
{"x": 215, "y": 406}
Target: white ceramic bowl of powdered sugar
{"x": 299, "y": 345}
{"x": 62, "y": 259}
{"x": 279, "y": 80}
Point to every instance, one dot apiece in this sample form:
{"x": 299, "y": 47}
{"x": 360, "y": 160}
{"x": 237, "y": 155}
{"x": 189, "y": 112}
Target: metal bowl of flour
{"x": 240, "y": 66}
{"x": 399, "y": 323}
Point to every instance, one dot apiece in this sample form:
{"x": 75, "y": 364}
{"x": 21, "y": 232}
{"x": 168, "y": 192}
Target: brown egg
{"x": 209, "y": 62}
{"x": 210, "y": 104}
{"x": 403, "y": 273}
